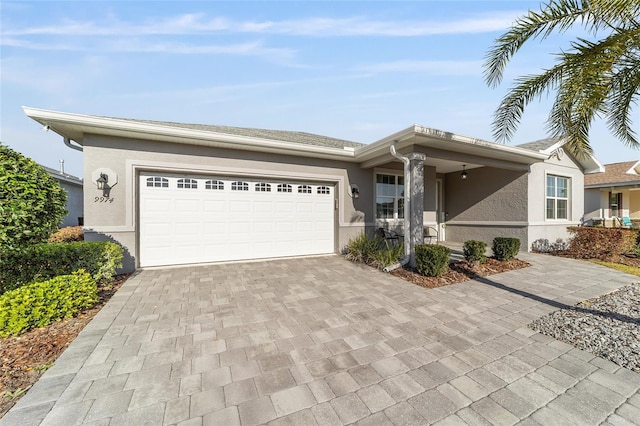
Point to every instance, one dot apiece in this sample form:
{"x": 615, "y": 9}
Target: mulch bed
{"x": 460, "y": 272}
{"x": 24, "y": 358}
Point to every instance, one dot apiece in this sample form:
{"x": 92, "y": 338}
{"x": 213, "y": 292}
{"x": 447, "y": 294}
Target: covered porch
{"x": 452, "y": 188}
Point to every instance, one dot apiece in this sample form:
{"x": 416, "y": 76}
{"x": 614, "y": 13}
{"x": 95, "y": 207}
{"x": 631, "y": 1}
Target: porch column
{"x": 416, "y": 189}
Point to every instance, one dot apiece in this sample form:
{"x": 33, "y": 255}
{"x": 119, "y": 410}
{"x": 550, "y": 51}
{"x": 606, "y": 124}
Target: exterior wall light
{"x": 104, "y": 179}
{"x": 355, "y": 191}
{"x": 464, "y": 175}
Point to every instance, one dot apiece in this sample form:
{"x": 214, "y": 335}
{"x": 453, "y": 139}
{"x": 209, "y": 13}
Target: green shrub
{"x": 32, "y": 203}
{"x": 601, "y": 243}
{"x": 387, "y": 255}
{"x": 39, "y": 304}
{"x": 373, "y": 250}
{"x": 362, "y": 247}
{"x": 474, "y": 251}
{"x": 432, "y": 260}
{"x": 505, "y": 248}
{"x": 68, "y": 234}
{"x": 41, "y": 262}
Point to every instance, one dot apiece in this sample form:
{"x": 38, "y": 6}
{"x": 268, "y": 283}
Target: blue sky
{"x": 354, "y": 70}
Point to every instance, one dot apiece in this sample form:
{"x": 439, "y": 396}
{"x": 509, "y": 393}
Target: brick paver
{"x": 324, "y": 341}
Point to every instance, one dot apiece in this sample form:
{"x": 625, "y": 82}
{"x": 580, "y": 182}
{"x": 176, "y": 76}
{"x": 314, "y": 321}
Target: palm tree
{"x": 593, "y": 79}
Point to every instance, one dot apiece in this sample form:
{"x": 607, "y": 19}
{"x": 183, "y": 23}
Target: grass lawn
{"x": 620, "y": 267}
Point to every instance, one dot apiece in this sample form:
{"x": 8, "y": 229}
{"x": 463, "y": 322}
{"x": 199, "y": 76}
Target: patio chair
{"x": 627, "y": 222}
{"x": 388, "y": 235}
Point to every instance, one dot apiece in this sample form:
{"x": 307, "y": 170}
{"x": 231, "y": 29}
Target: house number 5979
{"x": 103, "y": 200}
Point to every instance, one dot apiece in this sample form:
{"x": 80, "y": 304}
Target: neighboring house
{"x": 75, "y": 203}
{"x": 175, "y": 193}
{"x": 614, "y": 192}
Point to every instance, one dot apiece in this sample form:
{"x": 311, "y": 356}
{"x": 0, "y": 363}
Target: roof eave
{"x": 76, "y": 126}
{"x": 464, "y": 143}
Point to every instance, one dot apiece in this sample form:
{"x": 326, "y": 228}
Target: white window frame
{"x": 555, "y": 197}
{"x": 398, "y": 175}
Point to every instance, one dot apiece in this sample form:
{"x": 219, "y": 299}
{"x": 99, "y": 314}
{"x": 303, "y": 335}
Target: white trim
{"x": 486, "y": 223}
{"x": 632, "y": 170}
{"x": 389, "y": 172}
{"x": 570, "y": 196}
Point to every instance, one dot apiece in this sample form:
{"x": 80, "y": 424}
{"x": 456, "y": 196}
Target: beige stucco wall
{"x": 126, "y": 157}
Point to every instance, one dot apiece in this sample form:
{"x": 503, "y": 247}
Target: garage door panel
{"x": 186, "y": 225}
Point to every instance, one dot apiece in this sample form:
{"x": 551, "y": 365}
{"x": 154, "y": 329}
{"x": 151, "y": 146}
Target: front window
{"x": 389, "y": 196}
{"x": 557, "y": 200}
{"x": 615, "y": 204}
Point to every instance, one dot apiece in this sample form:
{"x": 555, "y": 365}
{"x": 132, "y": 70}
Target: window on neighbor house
{"x": 389, "y": 196}
{"x": 557, "y": 200}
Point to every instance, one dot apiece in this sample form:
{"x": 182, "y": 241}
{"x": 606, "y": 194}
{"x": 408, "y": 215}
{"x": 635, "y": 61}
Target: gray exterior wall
{"x": 592, "y": 203}
{"x": 126, "y": 157}
{"x": 75, "y": 203}
{"x": 491, "y": 203}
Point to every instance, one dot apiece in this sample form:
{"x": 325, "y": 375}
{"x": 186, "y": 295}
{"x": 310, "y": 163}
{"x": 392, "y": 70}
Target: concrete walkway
{"x": 323, "y": 341}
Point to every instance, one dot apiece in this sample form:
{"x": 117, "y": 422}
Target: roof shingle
{"x": 615, "y": 173}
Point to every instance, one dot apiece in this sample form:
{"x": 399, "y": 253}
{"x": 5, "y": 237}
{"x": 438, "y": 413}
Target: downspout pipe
{"x": 407, "y": 208}
{"x": 67, "y": 142}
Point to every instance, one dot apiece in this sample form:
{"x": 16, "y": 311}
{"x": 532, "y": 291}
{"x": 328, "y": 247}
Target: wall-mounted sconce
{"x": 104, "y": 179}
{"x": 355, "y": 191}
{"x": 464, "y": 175}
{"x": 103, "y": 184}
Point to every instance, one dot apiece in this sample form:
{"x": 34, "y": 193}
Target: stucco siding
{"x": 486, "y": 233}
{"x": 592, "y": 203}
{"x": 488, "y": 195}
{"x": 75, "y": 204}
{"x": 126, "y": 157}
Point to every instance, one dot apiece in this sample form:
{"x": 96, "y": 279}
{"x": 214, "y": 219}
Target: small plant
{"x": 432, "y": 260}
{"x": 39, "y": 304}
{"x": 67, "y": 235}
{"x": 16, "y": 393}
{"x": 505, "y": 248}
{"x": 387, "y": 255}
{"x": 374, "y": 251}
{"x": 362, "y": 247}
{"x": 542, "y": 245}
{"x": 474, "y": 251}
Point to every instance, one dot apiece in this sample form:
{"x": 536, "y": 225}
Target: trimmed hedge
{"x": 505, "y": 248}
{"x": 474, "y": 251}
{"x": 432, "y": 260}
{"x": 44, "y": 261}
{"x": 601, "y": 243}
{"x": 41, "y": 303}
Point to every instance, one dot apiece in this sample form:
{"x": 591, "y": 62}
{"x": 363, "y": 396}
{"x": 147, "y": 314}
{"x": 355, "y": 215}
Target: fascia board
{"x": 138, "y": 130}
{"x": 463, "y": 143}
{"x": 612, "y": 184}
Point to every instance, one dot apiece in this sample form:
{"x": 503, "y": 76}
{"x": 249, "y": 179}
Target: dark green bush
{"x": 32, "y": 203}
{"x": 41, "y": 262}
{"x": 432, "y": 260}
{"x": 39, "y": 304}
{"x": 474, "y": 251}
{"x": 505, "y": 248}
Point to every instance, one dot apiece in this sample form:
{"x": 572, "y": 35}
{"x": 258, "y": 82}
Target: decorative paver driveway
{"x": 323, "y": 341}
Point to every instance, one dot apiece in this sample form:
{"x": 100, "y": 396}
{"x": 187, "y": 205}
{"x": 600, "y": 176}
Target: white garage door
{"x": 195, "y": 219}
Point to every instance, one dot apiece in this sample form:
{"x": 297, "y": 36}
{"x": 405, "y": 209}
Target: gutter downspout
{"x": 407, "y": 208}
{"x": 67, "y": 142}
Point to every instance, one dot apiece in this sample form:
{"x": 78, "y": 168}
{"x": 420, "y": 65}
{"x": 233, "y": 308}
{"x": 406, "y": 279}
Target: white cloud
{"x": 198, "y": 23}
{"x": 429, "y": 67}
